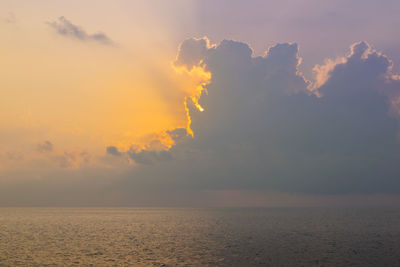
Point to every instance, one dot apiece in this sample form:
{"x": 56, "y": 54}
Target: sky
{"x": 199, "y": 103}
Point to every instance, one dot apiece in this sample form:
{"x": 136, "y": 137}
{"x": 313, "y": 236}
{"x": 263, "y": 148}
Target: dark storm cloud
{"x": 66, "y": 28}
{"x": 266, "y": 126}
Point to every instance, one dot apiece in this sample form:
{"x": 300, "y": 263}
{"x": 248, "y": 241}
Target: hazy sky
{"x": 203, "y": 102}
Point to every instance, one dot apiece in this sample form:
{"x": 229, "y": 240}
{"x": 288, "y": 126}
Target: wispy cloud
{"x": 9, "y": 19}
{"x": 44, "y": 147}
{"x": 66, "y": 28}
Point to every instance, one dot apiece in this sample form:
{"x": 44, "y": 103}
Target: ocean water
{"x": 199, "y": 237}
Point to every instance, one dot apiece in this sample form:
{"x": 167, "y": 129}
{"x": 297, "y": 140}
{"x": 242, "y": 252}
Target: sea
{"x": 199, "y": 237}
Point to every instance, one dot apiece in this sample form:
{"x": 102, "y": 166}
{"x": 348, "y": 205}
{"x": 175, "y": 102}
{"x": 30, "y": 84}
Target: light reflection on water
{"x": 199, "y": 237}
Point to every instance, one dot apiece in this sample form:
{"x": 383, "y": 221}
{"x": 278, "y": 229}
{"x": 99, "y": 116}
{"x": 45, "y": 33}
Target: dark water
{"x": 199, "y": 237}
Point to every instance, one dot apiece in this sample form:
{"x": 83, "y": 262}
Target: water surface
{"x": 199, "y": 237}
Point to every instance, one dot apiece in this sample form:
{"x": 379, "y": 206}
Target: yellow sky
{"x": 84, "y": 95}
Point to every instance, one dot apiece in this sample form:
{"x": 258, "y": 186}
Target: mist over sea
{"x": 199, "y": 237}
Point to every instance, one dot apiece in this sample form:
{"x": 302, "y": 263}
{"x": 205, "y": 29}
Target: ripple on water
{"x": 194, "y": 237}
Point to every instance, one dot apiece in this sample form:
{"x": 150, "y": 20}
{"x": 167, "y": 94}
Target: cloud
{"x": 178, "y": 134}
{"x": 72, "y": 160}
{"x": 148, "y": 157}
{"x": 156, "y": 151}
{"x": 192, "y": 52}
{"x": 44, "y": 147}
{"x": 10, "y": 18}
{"x": 67, "y": 29}
{"x": 112, "y": 150}
{"x": 267, "y": 127}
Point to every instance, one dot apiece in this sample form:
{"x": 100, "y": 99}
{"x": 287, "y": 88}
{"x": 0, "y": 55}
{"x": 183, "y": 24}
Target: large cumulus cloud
{"x": 267, "y": 127}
